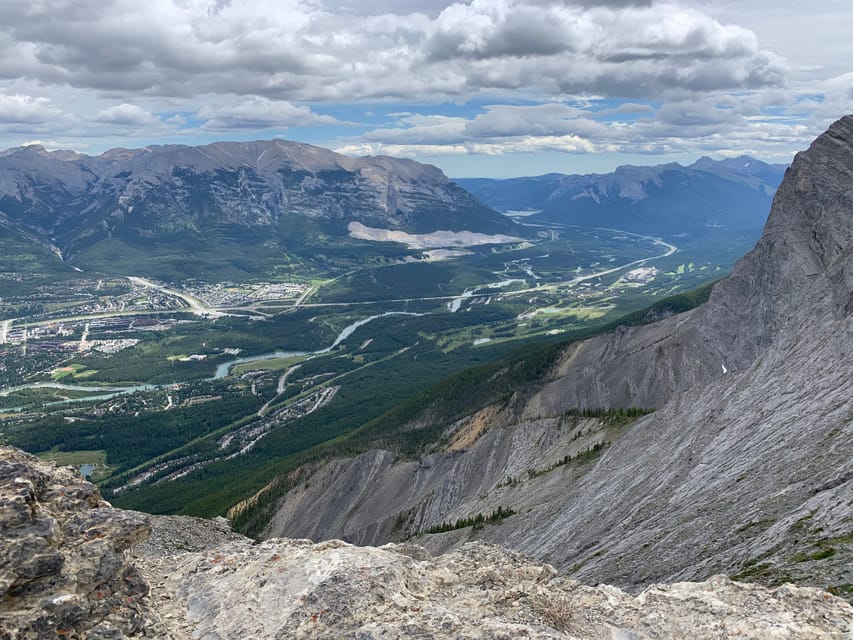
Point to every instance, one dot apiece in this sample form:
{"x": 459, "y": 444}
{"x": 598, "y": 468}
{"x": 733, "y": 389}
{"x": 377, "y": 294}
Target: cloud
{"x": 292, "y": 50}
{"x": 523, "y": 144}
{"x": 127, "y": 115}
{"x": 421, "y": 129}
{"x": 256, "y": 112}
{"x": 724, "y": 125}
{"x": 496, "y": 126}
{"x": 544, "y": 119}
{"x": 24, "y": 109}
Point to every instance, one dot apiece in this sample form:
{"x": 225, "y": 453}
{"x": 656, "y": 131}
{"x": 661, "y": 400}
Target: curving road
{"x": 196, "y": 306}
{"x": 199, "y": 308}
{"x": 670, "y": 249}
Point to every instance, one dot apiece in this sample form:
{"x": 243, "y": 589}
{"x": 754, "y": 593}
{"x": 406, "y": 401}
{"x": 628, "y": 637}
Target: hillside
{"x": 179, "y": 211}
{"x": 744, "y": 467}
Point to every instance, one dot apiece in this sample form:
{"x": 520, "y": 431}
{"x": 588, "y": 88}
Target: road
{"x": 670, "y": 249}
{"x": 199, "y": 308}
{"x": 282, "y": 384}
{"x": 83, "y": 346}
{"x": 196, "y": 306}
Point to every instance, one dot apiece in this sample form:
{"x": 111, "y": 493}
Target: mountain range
{"x": 668, "y": 199}
{"x": 231, "y": 210}
{"x": 196, "y": 210}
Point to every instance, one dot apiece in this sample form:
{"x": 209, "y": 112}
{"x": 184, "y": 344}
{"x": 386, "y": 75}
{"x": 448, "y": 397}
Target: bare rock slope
{"x": 297, "y": 589}
{"x": 64, "y": 575}
{"x": 746, "y": 467}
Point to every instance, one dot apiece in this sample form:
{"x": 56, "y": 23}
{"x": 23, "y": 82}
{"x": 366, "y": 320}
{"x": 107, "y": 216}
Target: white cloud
{"x": 24, "y": 109}
{"x": 256, "y": 112}
{"x": 432, "y": 129}
{"x": 402, "y": 150}
{"x": 723, "y": 125}
{"x": 127, "y": 115}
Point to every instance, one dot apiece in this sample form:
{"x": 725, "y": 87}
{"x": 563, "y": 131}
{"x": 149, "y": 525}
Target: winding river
{"x": 222, "y": 370}
{"x": 104, "y": 392}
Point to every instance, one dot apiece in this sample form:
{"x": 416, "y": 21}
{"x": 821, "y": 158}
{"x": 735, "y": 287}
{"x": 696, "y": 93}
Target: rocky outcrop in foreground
{"x": 298, "y": 589}
{"x": 62, "y": 568}
{"x": 63, "y": 574}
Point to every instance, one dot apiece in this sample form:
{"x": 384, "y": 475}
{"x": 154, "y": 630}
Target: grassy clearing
{"x": 75, "y": 458}
{"x": 273, "y": 364}
{"x": 74, "y": 371}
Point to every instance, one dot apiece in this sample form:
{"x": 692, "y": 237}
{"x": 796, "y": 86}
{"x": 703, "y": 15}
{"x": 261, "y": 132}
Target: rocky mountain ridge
{"x": 745, "y": 467}
{"x": 192, "y": 198}
{"x": 64, "y": 573}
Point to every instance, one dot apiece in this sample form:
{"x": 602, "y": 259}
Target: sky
{"x": 492, "y": 88}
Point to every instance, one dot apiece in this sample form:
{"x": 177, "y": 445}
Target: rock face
{"x": 63, "y": 576}
{"x": 746, "y": 466}
{"x": 62, "y": 570}
{"x": 375, "y": 498}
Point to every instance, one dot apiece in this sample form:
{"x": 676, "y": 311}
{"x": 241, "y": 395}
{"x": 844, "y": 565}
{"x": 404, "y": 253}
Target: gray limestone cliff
{"x": 746, "y": 466}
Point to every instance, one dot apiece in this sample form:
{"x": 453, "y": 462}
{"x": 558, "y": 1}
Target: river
{"x": 105, "y": 393}
{"x": 222, "y": 370}
{"x": 454, "y": 305}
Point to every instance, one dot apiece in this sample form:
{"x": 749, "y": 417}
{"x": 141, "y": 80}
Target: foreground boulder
{"x": 62, "y": 570}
